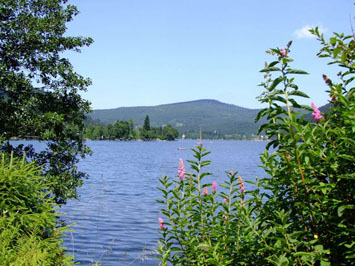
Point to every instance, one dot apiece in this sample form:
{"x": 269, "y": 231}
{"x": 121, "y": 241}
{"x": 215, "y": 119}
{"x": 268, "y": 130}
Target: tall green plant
{"x": 203, "y": 225}
{"x": 303, "y": 213}
{"x": 312, "y": 168}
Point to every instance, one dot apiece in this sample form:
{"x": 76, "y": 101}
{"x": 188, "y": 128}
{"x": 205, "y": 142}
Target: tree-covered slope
{"x": 208, "y": 115}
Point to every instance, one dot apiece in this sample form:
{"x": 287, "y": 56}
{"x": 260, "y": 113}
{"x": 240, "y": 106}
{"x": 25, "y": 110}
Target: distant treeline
{"x": 129, "y": 130}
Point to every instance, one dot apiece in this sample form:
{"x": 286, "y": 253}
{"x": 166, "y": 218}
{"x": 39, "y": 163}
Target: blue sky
{"x": 151, "y": 52}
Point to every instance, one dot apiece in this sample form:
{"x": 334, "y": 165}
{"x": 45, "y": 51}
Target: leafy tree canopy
{"x": 39, "y": 88}
{"x": 125, "y": 130}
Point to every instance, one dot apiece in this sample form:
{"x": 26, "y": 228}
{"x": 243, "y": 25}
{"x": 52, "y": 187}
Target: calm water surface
{"x": 115, "y": 220}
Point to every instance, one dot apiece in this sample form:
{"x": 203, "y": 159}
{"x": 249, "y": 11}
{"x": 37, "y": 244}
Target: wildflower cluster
{"x": 303, "y": 212}
{"x": 200, "y": 226}
{"x": 316, "y": 113}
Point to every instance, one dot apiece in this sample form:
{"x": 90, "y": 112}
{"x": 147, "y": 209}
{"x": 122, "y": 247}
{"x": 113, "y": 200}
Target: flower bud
{"x": 214, "y": 187}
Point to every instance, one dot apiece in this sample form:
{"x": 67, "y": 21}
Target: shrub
{"x": 303, "y": 214}
{"x": 29, "y": 227}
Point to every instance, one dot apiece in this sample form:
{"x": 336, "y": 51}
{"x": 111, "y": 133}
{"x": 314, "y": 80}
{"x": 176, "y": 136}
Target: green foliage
{"x": 28, "y": 219}
{"x": 39, "y": 91}
{"x": 313, "y": 166}
{"x": 303, "y": 214}
{"x": 125, "y": 130}
{"x": 167, "y": 133}
{"x": 146, "y": 125}
{"x": 203, "y": 226}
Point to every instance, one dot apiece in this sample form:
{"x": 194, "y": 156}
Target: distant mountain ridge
{"x": 211, "y": 116}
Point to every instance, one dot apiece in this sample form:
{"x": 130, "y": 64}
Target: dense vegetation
{"x": 39, "y": 91}
{"x": 39, "y": 99}
{"x": 128, "y": 130}
{"x": 301, "y": 214}
{"x": 29, "y": 234}
{"x": 215, "y": 119}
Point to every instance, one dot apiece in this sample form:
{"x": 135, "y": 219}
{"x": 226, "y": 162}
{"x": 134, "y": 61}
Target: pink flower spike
{"x": 225, "y": 201}
{"x": 283, "y": 52}
{"x": 231, "y": 172}
{"x": 205, "y": 191}
{"x": 316, "y": 113}
{"x": 241, "y": 184}
{"x": 214, "y": 187}
{"x": 161, "y": 223}
{"x": 181, "y": 171}
{"x": 327, "y": 80}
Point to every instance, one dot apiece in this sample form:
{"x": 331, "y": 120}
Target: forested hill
{"x": 211, "y": 116}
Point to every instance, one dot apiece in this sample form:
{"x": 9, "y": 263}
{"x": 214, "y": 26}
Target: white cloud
{"x": 304, "y": 33}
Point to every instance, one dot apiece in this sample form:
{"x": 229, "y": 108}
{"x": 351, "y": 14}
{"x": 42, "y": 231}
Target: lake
{"x": 115, "y": 220}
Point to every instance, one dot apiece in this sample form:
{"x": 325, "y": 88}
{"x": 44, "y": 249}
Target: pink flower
{"x": 161, "y": 223}
{"x": 181, "y": 171}
{"x": 316, "y": 113}
{"x": 214, "y": 187}
{"x": 231, "y": 172}
{"x": 201, "y": 144}
{"x": 283, "y": 52}
{"x": 225, "y": 201}
{"x": 205, "y": 191}
{"x": 241, "y": 184}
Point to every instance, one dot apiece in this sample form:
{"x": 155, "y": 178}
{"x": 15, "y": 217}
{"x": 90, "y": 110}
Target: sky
{"x": 152, "y": 52}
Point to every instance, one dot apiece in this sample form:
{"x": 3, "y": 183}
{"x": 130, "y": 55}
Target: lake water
{"x": 115, "y": 220}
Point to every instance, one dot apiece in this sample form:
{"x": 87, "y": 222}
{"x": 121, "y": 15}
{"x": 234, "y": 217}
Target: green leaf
{"x": 342, "y": 208}
{"x": 296, "y": 71}
{"x": 279, "y": 98}
{"x": 306, "y": 160}
{"x": 274, "y": 63}
{"x": 319, "y": 249}
{"x": 333, "y": 41}
{"x": 307, "y": 107}
{"x": 275, "y": 83}
{"x": 294, "y": 103}
{"x": 270, "y": 69}
{"x": 350, "y": 176}
{"x": 336, "y": 51}
{"x": 303, "y": 253}
{"x": 298, "y": 93}
{"x": 347, "y": 157}
{"x": 261, "y": 114}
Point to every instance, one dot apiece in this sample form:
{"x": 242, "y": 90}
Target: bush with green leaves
{"x": 30, "y": 233}
{"x": 303, "y": 212}
{"x": 40, "y": 90}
